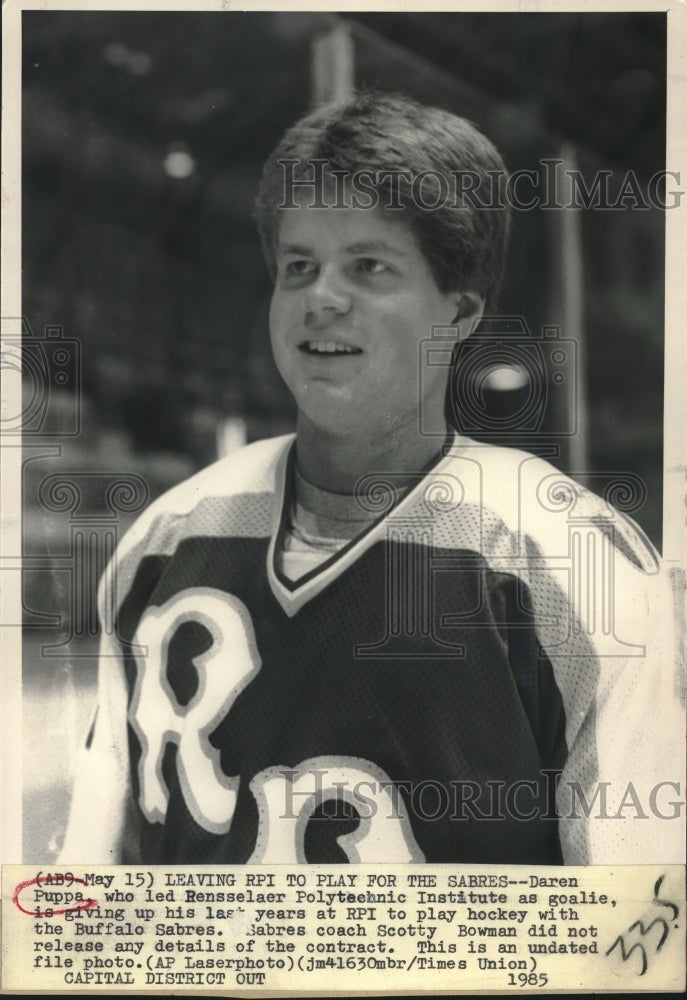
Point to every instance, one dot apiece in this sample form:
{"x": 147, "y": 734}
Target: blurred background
{"x": 146, "y": 297}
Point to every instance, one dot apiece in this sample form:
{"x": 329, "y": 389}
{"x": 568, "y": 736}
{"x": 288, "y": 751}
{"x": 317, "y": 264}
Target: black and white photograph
{"x": 344, "y": 465}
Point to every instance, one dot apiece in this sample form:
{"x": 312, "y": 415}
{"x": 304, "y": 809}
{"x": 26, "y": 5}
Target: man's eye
{"x": 368, "y": 265}
{"x": 299, "y": 268}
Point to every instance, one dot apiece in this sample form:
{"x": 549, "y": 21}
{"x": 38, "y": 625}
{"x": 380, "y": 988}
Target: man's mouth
{"x": 330, "y": 348}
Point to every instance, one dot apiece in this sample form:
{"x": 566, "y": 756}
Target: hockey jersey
{"x": 485, "y": 674}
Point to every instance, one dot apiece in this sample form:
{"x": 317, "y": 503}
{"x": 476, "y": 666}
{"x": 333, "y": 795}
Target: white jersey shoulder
{"x": 537, "y": 501}
{"x": 205, "y": 499}
{"x": 251, "y": 469}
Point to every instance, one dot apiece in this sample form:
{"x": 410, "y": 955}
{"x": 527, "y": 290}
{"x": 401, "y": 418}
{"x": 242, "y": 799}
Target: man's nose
{"x": 327, "y": 295}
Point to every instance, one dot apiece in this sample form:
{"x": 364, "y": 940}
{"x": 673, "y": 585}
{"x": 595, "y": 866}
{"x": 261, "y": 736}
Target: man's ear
{"x": 469, "y": 310}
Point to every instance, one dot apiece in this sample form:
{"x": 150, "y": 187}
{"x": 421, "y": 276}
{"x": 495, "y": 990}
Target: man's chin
{"x": 334, "y": 412}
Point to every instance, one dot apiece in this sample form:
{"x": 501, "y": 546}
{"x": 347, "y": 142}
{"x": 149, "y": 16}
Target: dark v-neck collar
{"x": 292, "y": 595}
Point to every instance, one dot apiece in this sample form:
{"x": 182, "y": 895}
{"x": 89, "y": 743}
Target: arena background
{"x": 146, "y": 351}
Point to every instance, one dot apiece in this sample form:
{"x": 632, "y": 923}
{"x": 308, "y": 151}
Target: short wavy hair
{"x": 386, "y": 134}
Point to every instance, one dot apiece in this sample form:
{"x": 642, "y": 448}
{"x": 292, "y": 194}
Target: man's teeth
{"x": 330, "y": 347}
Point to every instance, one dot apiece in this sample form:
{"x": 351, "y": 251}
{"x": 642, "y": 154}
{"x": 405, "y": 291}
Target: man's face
{"x": 354, "y": 297}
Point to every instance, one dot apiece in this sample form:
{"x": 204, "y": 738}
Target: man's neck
{"x": 336, "y": 462}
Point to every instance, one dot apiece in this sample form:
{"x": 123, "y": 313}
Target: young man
{"x": 370, "y": 643}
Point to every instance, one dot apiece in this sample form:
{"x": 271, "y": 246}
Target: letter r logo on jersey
{"x": 224, "y": 670}
{"x": 157, "y": 718}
